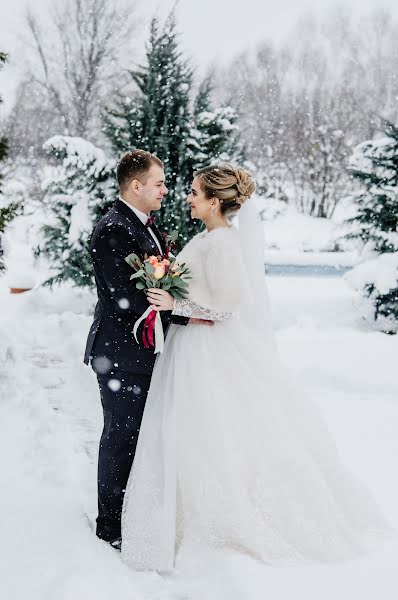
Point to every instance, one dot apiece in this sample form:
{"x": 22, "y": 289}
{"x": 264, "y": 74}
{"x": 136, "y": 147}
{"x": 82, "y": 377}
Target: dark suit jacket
{"x": 110, "y": 343}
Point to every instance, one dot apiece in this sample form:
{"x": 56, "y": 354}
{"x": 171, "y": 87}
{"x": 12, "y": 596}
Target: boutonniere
{"x": 169, "y": 241}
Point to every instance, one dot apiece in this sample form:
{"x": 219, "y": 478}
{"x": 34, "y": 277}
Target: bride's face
{"x": 198, "y": 202}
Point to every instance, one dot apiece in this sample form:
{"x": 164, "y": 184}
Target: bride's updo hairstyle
{"x": 231, "y": 185}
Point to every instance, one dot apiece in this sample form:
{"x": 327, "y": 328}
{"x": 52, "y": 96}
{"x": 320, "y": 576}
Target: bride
{"x": 229, "y": 453}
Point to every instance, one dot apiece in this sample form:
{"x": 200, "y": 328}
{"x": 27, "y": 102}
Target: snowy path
{"x": 50, "y": 422}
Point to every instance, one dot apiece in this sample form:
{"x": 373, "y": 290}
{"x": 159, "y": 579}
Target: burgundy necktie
{"x": 150, "y": 221}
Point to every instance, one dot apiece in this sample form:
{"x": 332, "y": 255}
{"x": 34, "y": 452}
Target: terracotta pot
{"x": 14, "y": 290}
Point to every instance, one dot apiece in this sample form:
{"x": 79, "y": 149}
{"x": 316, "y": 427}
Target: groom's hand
{"x": 193, "y": 321}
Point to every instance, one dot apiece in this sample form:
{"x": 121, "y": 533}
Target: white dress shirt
{"x": 143, "y": 218}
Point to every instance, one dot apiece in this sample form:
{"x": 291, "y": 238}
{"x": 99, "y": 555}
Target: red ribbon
{"x": 149, "y": 326}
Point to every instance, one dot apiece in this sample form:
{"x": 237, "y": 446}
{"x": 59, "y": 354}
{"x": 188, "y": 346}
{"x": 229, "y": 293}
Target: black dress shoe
{"x": 117, "y": 544}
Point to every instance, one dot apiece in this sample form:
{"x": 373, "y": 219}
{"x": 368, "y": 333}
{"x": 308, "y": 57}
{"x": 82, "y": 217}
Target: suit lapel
{"x": 143, "y": 237}
{"x": 159, "y": 237}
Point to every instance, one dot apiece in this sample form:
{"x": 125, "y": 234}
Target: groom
{"x": 122, "y": 366}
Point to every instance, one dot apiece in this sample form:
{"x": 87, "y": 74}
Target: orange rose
{"x": 160, "y": 270}
{"x": 153, "y": 260}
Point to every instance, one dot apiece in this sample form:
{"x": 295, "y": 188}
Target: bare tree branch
{"x": 84, "y": 41}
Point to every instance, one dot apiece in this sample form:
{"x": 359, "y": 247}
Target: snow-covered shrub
{"x": 375, "y": 225}
{"x": 7, "y": 210}
{"x": 375, "y": 165}
{"x": 214, "y": 137}
{"x": 7, "y": 214}
{"x": 79, "y": 188}
{"x": 377, "y": 279}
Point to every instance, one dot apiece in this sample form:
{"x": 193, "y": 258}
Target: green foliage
{"x": 214, "y": 132}
{"x": 3, "y": 141}
{"x": 158, "y": 117}
{"x": 7, "y": 213}
{"x": 375, "y": 165}
{"x": 80, "y": 190}
{"x": 385, "y": 306}
{"x": 170, "y": 276}
{"x": 375, "y": 224}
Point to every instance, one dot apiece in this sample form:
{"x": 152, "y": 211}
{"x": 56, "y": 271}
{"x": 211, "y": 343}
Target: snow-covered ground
{"x": 291, "y": 231}
{"x": 50, "y": 423}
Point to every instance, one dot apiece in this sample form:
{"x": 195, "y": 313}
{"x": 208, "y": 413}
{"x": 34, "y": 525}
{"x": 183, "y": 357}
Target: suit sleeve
{"x": 109, "y": 249}
{"x": 179, "y": 320}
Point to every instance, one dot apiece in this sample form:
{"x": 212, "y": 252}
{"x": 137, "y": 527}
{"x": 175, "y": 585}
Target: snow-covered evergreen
{"x": 214, "y": 134}
{"x": 159, "y": 117}
{"x": 80, "y": 181}
{"x": 3, "y": 141}
{"x": 375, "y": 224}
{"x": 7, "y": 210}
{"x": 80, "y": 187}
{"x": 7, "y": 214}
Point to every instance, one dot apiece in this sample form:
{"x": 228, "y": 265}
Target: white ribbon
{"x": 158, "y": 329}
{"x": 159, "y": 336}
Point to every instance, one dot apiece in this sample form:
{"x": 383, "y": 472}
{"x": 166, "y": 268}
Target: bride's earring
{"x": 213, "y": 208}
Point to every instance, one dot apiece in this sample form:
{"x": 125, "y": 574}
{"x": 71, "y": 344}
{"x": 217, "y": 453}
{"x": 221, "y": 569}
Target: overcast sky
{"x": 219, "y": 29}
{"x": 211, "y": 30}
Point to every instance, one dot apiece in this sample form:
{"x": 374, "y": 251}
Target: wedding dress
{"x": 230, "y": 454}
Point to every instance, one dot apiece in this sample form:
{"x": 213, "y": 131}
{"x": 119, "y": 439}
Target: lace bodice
{"x": 219, "y": 288}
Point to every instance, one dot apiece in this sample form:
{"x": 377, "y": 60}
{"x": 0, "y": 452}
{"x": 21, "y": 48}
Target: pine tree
{"x": 78, "y": 192}
{"x": 158, "y": 117}
{"x": 214, "y": 135}
{"x": 3, "y": 141}
{"x": 375, "y": 165}
{"x": 375, "y": 224}
{"x": 7, "y": 213}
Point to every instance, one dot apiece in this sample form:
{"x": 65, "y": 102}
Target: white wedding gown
{"x": 229, "y": 453}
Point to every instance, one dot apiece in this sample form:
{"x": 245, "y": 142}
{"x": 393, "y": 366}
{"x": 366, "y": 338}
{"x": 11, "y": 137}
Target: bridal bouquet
{"x": 162, "y": 271}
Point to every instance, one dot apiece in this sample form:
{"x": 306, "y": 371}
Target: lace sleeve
{"x": 185, "y": 308}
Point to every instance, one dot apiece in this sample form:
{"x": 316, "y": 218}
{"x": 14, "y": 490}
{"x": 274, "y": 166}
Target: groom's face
{"x": 152, "y": 189}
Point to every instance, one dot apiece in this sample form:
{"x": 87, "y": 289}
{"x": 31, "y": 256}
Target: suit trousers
{"x": 123, "y": 397}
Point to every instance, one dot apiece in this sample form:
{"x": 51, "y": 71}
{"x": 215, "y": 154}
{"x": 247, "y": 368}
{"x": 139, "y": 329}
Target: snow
{"x": 375, "y": 278}
{"x": 288, "y": 230}
{"x": 18, "y": 242}
{"x": 381, "y": 272}
{"x": 367, "y": 154}
{"x": 81, "y": 221}
{"x": 51, "y": 421}
{"x": 114, "y": 384}
{"x": 222, "y": 116}
{"x": 77, "y": 153}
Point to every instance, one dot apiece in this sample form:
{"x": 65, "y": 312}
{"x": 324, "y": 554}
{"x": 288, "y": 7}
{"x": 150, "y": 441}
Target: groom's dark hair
{"x": 135, "y": 165}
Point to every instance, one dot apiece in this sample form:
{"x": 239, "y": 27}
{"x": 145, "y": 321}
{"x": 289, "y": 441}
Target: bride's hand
{"x": 160, "y": 299}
